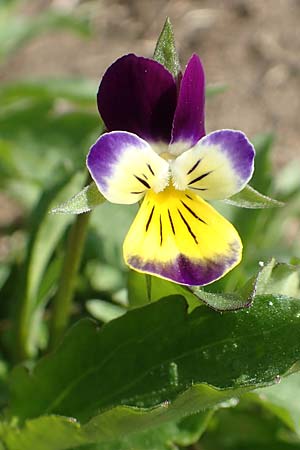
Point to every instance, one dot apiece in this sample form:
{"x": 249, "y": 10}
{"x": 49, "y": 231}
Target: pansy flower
{"x": 156, "y": 152}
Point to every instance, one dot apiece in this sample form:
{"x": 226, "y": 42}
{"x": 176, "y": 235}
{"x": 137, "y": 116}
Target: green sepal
{"x": 252, "y": 199}
{"x": 83, "y": 202}
{"x": 138, "y": 293}
{"x": 165, "y": 51}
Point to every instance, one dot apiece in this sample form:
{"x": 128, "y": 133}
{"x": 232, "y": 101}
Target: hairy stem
{"x": 62, "y": 302}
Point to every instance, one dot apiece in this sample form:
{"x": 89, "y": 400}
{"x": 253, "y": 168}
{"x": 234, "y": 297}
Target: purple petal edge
{"x": 188, "y": 124}
{"x": 138, "y": 95}
{"x": 105, "y": 153}
{"x": 237, "y": 148}
{"x": 184, "y": 271}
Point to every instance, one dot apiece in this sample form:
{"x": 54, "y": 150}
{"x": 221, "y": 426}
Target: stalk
{"x": 62, "y": 302}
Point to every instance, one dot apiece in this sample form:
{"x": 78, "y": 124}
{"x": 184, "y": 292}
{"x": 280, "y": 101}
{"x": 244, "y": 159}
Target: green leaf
{"x": 61, "y": 433}
{"x": 158, "y": 363}
{"x": 76, "y": 90}
{"x": 283, "y": 400}
{"x": 279, "y": 279}
{"x": 230, "y": 301}
{"x": 223, "y": 301}
{"x": 103, "y": 277}
{"x": 250, "y": 198}
{"x": 165, "y": 51}
{"x": 262, "y": 178}
{"x": 84, "y": 201}
{"x": 287, "y": 180}
{"x": 248, "y": 426}
{"x": 45, "y": 233}
{"x": 104, "y": 311}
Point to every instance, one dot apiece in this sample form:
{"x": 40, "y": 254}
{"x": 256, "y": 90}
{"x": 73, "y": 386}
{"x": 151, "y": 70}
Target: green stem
{"x": 62, "y": 302}
{"x": 148, "y": 287}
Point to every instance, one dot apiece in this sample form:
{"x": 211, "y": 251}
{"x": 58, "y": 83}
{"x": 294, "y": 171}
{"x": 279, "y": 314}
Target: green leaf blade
{"x": 243, "y": 350}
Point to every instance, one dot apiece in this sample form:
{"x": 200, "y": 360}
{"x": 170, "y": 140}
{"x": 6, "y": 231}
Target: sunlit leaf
{"x": 174, "y": 362}
{"x": 104, "y": 311}
{"x": 279, "y": 279}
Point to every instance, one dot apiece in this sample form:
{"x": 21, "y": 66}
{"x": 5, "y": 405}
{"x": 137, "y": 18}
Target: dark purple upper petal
{"x": 138, "y": 95}
{"x": 188, "y": 125}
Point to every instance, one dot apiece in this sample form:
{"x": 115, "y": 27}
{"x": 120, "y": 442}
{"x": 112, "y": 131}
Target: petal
{"x": 178, "y": 236}
{"x": 188, "y": 125}
{"x": 219, "y": 166}
{"x": 124, "y": 167}
{"x": 138, "y": 95}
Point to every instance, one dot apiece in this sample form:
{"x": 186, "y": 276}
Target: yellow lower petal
{"x": 178, "y": 236}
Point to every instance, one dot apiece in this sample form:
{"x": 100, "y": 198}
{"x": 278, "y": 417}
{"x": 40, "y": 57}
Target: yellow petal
{"x": 176, "y": 235}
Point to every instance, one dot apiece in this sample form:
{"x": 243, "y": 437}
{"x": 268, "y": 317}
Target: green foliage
{"x": 78, "y": 91}
{"x": 152, "y": 373}
{"x": 61, "y": 433}
{"x": 248, "y": 426}
{"x": 279, "y": 278}
{"x": 16, "y": 29}
{"x": 38, "y": 276}
{"x": 282, "y": 400}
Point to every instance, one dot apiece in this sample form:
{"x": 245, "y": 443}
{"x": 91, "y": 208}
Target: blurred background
{"x": 252, "y": 46}
{"x": 52, "y": 56}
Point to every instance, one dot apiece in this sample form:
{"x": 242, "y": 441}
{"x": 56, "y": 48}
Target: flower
{"x": 156, "y": 150}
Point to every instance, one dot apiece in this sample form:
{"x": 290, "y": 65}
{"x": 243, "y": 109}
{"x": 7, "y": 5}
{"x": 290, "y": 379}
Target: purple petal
{"x": 137, "y": 94}
{"x": 185, "y": 271}
{"x": 188, "y": 125}
{"x": 124, "y": 167}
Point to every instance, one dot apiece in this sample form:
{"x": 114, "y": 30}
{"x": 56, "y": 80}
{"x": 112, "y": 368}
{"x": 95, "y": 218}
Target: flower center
{"x": 167, "y": 156}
